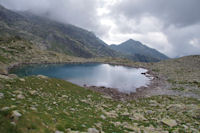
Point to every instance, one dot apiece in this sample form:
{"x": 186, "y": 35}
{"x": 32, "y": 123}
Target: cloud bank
{"x": 172, "y": 27}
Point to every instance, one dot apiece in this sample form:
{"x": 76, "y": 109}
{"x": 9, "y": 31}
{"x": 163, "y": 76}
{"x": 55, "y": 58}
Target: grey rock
{"x": 93, "y": 130}
{"x": 42, "y": 76}
{"x": 1, "y": 95}
{"x": 5, "y": 108}
{"x": 12, "y": 76}
{"x": 21, "y": 79}
{"x": 103, "y": 117}
{"x": 4, "y": 77}
{"x": 20, "y": 96}
{"x": 59, "y": 131}
{"x": 169, "y": 122}
{"x": 3, "y": 70}
{"x": 16, "y": 115}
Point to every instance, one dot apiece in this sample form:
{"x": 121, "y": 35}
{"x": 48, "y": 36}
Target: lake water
{"x": 125, "y": 79}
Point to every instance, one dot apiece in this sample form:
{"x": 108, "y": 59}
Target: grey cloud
{"x": 178, "y": 21}
{"x": 177, "y": 12}
{"x": 81, "y": 13}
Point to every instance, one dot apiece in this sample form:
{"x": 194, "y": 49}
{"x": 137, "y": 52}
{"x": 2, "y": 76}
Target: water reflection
{"x": 125, "y": 79}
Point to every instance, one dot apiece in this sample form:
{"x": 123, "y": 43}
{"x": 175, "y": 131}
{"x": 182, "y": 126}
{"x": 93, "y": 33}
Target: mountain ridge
{"x": 55, "y": 36}
{"x": 63, "y": 38}
{"x": 132, "y": 47}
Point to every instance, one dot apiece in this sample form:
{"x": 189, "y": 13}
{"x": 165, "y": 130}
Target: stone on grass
{"x": 1, "y": 95}
{"x": 33, "y": 92}
{"x": 3, "y": 70}
{"x": 21, "y": 79}
{"x": 139, "y": 116}
{"x": 111, "y": 114}
{"x": 15, "y": 115}
{"x": 33, "y": 108}
{"x": 20, "y": 96}
{"x": 5, "y": 108}
{"x": 93, "y": 130}
{"x": 13, "y": 123}
{"x": 59, "y": 131}
{"x": 103, "y": 117}
{"x": 42, "y": 76}
{"x": 4, "y": 77}
{"x": 169, "y": 122}
{"x": 12, "y": 76}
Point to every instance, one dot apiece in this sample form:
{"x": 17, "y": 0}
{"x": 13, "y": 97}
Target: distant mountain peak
{"x": 135, "y": 48}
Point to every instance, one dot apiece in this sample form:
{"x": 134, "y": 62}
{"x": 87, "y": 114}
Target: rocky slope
{"x": 42, "y": 104}
{"x": 51, "y": 35}
{"x": 135, "y": 49}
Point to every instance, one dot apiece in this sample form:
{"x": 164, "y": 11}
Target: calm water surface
{"x": 125, "y": 79}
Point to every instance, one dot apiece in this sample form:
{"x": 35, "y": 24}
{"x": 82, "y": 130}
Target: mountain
{"x": 51, "y": 35}
{"x": 68, "y": 39}
{"x": 135, "y": 49}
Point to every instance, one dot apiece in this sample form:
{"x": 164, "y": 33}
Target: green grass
{"x": 178, "y": 89}
{"x": 61, "y": 105}
{"x": 3, "y": 59}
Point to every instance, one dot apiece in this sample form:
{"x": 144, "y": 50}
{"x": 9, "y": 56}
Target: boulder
{"x": 5, "y": 108}
{"x": 93, "y": 130}
{"x": 4, "y": 77}
{"x": 21, "y": 79}
{"x": 1, "y": 95}
{"x": 3, "y": 70}
{"x": 33, "y": 92}
{"x": 20, "y": 96}
{"x": 59, "y": 131}
{"x": 169, "y": 122}
{"x": 16, "y": 115}
{"x": 42, "y": 76}
{"x": 103, "y": 117}
{"x": 12, "y": 76}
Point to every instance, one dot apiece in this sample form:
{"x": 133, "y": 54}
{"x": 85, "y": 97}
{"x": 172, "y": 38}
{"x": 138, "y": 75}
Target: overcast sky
{"x": 170, "y": 26}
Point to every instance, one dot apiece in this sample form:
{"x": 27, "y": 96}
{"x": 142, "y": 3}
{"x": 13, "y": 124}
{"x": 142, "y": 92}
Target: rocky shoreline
{"x": 141, "y": 92}
{"x": 150, "y": 90}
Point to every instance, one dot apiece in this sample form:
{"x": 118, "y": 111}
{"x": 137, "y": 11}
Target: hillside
{"x": 51, "y": 35}
{"x": 133, "y": 48}
{"x": 42, "y": 104}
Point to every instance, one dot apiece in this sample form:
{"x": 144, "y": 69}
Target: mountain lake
{"x": 125, "y": 79}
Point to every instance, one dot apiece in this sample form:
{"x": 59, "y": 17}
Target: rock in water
{"x": 169, "y": 122}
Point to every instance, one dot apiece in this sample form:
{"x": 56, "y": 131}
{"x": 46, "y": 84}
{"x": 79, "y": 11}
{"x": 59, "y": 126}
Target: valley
{"x": 42, "y": 104}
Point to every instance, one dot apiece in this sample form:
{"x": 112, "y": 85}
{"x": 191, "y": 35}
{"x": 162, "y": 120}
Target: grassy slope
{"x": 51, "y": 104}
{"x": 59, "y": 105}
